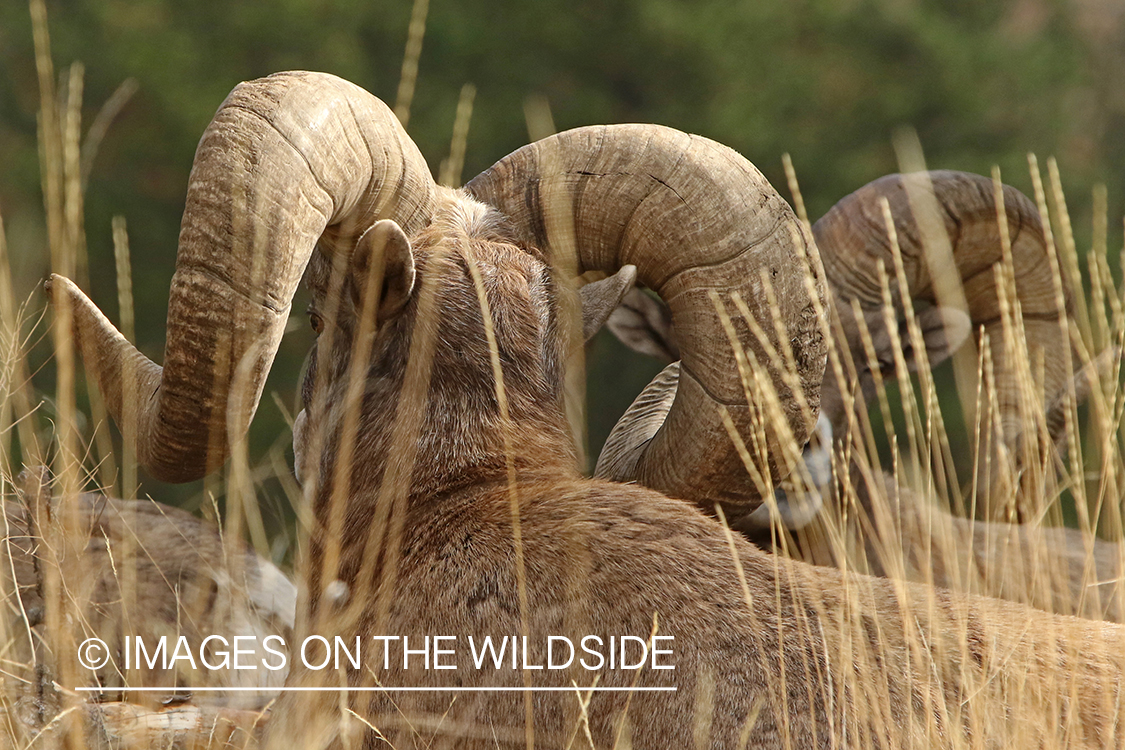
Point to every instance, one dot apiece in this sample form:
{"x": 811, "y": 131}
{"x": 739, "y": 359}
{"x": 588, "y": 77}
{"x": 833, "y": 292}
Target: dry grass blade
{"x": 17, "y": 398}
{"x": 128, "y": 483}
{"x": 513, "y": 486}
{"x": 563, "y": 246}
{"x": 795, "y": 189}
{"x": 948, "y": 291}
{"x": 63, "y": 225}
{"x": 452, "y": 166}
{"x": 537, "y": 115}
{"x": 409, "y": 76}
{"x": 1070, "y": 251}
{"x": 100, "y": 126}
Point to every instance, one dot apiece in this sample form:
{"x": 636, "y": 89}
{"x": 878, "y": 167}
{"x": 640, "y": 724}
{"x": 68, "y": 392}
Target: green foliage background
{"x": 982, "y": 82}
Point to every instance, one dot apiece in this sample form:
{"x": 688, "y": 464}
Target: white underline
{"x": 376, "y": 689}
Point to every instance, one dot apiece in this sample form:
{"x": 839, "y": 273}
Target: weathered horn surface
{"x": 696, "y": 219}
{"x": 852, "y": 238}
{"x": 288, "y": 161}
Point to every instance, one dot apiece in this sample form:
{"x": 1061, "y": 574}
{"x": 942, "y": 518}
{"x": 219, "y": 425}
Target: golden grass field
{"x": 905, "y": 433}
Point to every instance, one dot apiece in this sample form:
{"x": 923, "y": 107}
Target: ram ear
{"x": 601, "y": 298}
{"x": 644, "y": 324}
{"x": 944, "y": 329}
{"x": 383, "y": 256}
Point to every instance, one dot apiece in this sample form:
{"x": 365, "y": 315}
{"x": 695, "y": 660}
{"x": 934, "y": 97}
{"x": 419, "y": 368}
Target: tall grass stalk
{"x": 58, "y": 528}
{"x": 451, "y": 167}
{"x": 408, "y": 79}
{"x": 897, "y": 459}
{"x": 537, "y": 115}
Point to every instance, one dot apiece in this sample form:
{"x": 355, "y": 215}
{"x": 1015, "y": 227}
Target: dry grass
{"x": 1083, "y": 483}
{"x": 37, "y": 665}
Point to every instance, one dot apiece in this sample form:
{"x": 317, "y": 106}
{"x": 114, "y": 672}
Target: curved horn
{"x": 695, "y": 218}
{"x": 286, "y": 159}
{"x": 852, "y": 238}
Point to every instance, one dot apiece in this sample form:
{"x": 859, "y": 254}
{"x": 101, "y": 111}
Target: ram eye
{"x": 316, "y": 322}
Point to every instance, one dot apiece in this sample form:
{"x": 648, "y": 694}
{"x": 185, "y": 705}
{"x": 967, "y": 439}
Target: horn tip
{"x": 62, "y": 284}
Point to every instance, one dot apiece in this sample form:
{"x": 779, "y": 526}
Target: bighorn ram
{"x": 1049, "y": 568}
{"x": 444, "y": 480}
{"x": 854, "y": 241}
{"x": 1052, "y": 568}
{"x": 142, "y": 569}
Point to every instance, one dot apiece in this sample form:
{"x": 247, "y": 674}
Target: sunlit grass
{"x": 888, "y": 517}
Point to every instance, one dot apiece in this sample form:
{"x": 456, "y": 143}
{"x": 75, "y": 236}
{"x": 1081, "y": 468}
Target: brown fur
{"x": 895, "y": 531}
{"x": 800, "y": 657}
{"x": 902, "y": 534}
{"x": 140, "y": 569}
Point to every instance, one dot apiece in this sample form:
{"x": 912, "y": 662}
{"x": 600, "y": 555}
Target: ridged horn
{"x": 852, "y": 238}
{"x": 290, "y": 163}
{"x": 695, "y": 218}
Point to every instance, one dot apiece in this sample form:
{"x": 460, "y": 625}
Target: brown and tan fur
{"x": 898, "y": 533}
{"x": 903, "y": 534}
{"x": 142, "y": 569}
{"x": 888, "y": 529}
{"x": 797, "y": 657}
